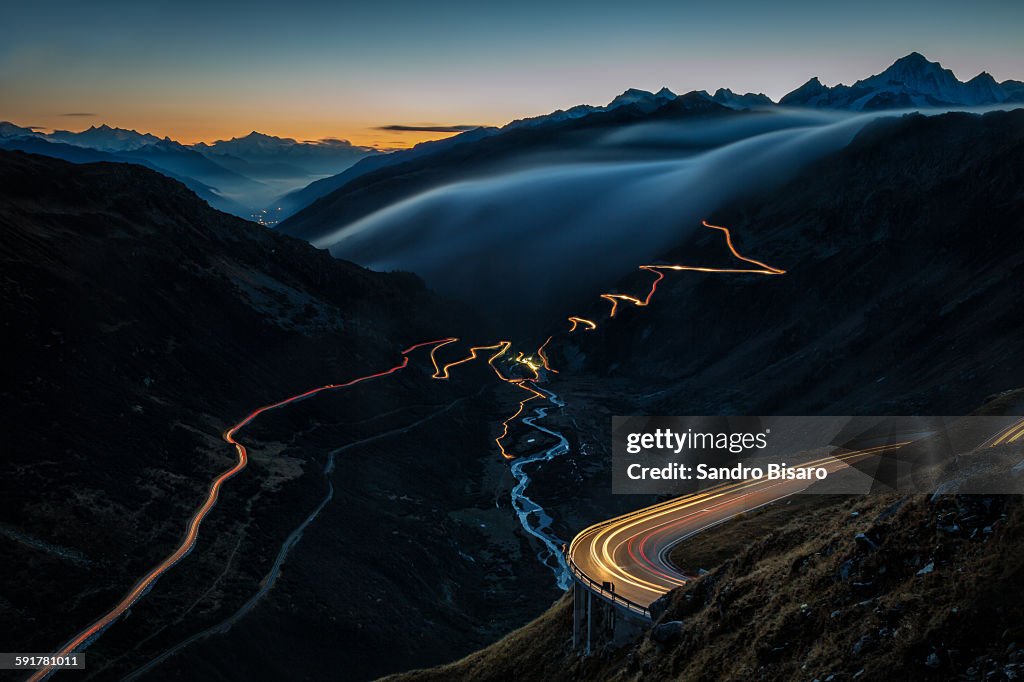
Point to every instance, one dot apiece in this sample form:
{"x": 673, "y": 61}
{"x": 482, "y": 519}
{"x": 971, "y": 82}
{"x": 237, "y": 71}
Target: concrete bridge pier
{"x": 597, "y": 622}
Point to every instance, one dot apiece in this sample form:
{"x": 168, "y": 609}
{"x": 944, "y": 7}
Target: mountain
{"x": 178, "y": 159}
{"x": 260, "y": 155}
{"x": 930, "y": 601}
{"x": 639, "y": 102}
{"x": 105, "y": 138}
{"x": 241, "y": 175}
{"x": 141, "y": 324}
{"x": 642, "y": 99}
{"x": 301, "y": 198}
{"x": 8, "y": 129}
{"x": 404, "y": 175}
{"x": 150, "y": 157}
{"x": 747, "y": 100}
{"x": 911, "y": 81}
{"x": 918, "y": 213}
{"x": 902, "y": 294}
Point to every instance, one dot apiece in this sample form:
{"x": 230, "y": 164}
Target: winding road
{"x": 626, "y": 559}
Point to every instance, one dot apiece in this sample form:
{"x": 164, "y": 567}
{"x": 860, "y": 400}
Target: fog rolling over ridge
{"x": 533, "y": 239}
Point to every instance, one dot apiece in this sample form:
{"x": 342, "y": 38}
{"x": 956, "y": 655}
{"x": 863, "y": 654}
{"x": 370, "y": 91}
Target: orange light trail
{"x": 577, "y": 321}
{"x": 657, "y": 270}
{"x": 544, "y": 358}
{"x": 1010, "y": 434}
{"x": 441, "y": 372}
{"x": 192, "y": 530}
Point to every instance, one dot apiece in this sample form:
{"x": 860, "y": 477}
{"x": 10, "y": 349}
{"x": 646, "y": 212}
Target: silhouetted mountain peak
{"x": 910, "y": 81}
{"x": 914, "y": 72}
{"x": 736, "y": 101}
{"x": 645, "y": 100}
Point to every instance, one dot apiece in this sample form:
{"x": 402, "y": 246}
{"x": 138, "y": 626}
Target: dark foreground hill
{"x": 796, "y": 595}
{"x": 140, "y": 324}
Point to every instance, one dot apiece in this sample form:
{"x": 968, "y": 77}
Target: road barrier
{"x": 608, "y": 595}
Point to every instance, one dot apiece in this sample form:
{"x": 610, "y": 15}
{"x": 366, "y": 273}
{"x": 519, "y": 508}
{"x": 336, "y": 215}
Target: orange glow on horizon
{"x": 190, "y": 133}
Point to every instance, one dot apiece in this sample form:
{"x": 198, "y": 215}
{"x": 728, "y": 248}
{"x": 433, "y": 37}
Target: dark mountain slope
{"x": 140, "y": 324}
{"x": 807, "y": 601}
{"x": 903, "y": 287}
{"x": 77, "y": 154}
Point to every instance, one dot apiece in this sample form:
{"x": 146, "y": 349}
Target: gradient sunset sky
{"x": 312, "y": 69}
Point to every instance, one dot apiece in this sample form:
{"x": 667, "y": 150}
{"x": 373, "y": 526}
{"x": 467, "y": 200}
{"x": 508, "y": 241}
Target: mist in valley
{"x": 529, "y": 241}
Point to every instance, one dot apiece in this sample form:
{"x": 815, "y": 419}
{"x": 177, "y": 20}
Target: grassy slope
{"x": 796, "y": 596}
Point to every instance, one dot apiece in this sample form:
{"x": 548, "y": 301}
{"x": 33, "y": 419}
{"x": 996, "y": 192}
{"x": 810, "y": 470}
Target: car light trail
{"x": 544, "y": 358}
{"x": 194, "y": 524}
{"x": 630, "y": 550}
{"x": 441, "y": 372}
{"x": 1011, "y": 434}
{"x": 658, "y": 272}
{"x": 589, "y": 325}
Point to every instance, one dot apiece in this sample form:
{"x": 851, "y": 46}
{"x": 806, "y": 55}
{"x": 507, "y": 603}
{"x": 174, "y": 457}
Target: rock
{"x": 947, "y": 488}
{"x": 891, "y": 509}
{"x": 659, "y": 606}
{"x": 862, "y": 645}
{"x": 929, "y": 567}
{"x": 846, "y": 569}
{"x": 933, "y": 660}
{"x": 865, "y": 542}
{"x": 665, "y": 632}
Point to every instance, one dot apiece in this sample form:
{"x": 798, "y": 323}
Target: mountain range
{"x": 911, "y": 82}
{"x": 238, "y": 176}
{"x": 245, "y": 174}
{"x": 145, "y": 322}
{"x": 375, "y": 523}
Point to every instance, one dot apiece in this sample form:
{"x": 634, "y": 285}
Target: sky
{"x": 376, "y": 72}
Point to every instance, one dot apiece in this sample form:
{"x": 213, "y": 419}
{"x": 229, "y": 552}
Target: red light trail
{"x": 192, "y": 530}
{"x": 441, "y": 372}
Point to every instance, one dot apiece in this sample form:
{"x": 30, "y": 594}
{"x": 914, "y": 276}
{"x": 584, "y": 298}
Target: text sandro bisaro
{"x": 666, "y": 439}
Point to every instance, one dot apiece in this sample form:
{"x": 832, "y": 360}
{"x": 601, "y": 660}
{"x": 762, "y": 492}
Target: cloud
{"x": 79, "y": 114}
{"x": 429, "y": 128}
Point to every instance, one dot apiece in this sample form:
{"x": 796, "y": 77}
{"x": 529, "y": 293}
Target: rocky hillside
{"x": 842, "y": 588}
{"x": 141, "y": 323}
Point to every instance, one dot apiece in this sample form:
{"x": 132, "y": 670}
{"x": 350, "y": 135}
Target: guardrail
{"x": 608, "y": 595}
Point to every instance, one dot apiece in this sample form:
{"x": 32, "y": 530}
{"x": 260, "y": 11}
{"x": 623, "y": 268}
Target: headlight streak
{"x": 604, "y": 540}
{"x": 1010, "y": 434}
{"x": 441, "y": 372}
{"x": 657, "y": 270}
{"x": 213, "y": 492}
